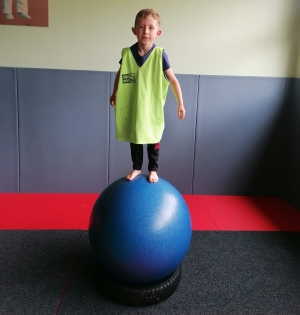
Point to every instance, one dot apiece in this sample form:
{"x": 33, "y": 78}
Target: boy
{"x": 140, "y": 91}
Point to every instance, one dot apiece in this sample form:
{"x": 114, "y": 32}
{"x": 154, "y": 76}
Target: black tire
{"x": 138, "y": 295}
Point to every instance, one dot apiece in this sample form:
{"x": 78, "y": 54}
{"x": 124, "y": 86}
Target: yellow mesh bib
{"x": 142, "y": 92}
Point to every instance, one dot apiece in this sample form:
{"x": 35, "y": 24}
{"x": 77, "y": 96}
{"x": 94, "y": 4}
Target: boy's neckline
{"x": 153, "y": 45}
{"x": 146, "y": 61}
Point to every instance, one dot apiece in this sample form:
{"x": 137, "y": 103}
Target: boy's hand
{"x": 180, "y": 112}
{"x": 112, "y": 99}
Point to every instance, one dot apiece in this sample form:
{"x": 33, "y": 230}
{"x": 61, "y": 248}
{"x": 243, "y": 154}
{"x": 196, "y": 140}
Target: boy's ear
{"x": 133, "y": 30}
{"x": 158, "y": 33}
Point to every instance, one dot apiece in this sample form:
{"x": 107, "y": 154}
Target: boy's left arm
{"x": 177, "y": 92}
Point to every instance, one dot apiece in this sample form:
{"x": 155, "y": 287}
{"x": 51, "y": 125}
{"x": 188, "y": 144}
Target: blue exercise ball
{"x": 139, "y": 231}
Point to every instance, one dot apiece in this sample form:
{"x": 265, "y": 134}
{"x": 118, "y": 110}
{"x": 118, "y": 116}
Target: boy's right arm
{"x": 114, "y": 93}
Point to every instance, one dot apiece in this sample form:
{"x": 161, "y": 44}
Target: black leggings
{"x": 137, "y": 151}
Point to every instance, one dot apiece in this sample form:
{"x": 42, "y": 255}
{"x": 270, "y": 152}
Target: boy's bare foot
{"x": 153, "y": 178}
{"x": 133, "y": 174}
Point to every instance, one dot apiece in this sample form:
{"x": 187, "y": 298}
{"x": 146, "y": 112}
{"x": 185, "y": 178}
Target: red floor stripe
{"x": 201, "y": 218}
{"x": 45, "y": 211}
{"x": 72, "y": 211}
{"x": 252, "y": 213}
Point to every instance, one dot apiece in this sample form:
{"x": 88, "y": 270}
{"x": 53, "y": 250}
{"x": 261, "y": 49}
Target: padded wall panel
{"x": 290, "y": 183}
{"x": 176, "y": 160}
{"x": 9, "y": 155}
{"x": 238, "y": 135}
{"x": 63, "y": 130}
{"x": 177, "y": 145}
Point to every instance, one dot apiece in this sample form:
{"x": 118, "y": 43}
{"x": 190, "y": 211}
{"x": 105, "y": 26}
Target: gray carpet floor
{"x": 53, "y": 272}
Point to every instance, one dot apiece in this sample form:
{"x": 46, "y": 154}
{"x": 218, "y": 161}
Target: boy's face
{"x": 146, "y": 30}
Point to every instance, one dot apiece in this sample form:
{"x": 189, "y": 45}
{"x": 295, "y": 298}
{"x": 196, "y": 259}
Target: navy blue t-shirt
{"x": 140, "y": 60}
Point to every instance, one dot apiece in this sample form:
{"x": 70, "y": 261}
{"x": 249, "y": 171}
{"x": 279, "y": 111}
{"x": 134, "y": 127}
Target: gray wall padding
{"x": 241, "y": 135}
{"x": 9, "y": 153}
{"x": 63, "y": 130}
{"x": 177, "y": 146}
{"x": 237, "y": 137}
{"x": 290, "y": 164}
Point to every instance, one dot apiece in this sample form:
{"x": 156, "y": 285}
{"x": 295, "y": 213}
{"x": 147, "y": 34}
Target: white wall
{"x": 219, "y": 37}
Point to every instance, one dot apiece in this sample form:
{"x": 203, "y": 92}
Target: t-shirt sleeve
{"x": 165, "y": 60}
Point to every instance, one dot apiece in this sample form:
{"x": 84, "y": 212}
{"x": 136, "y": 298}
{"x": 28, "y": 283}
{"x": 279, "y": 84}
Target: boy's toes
{"x": 152, "y": 178}
{"x": 132, "y": 174}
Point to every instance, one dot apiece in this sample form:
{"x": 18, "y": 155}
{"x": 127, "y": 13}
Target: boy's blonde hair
{"x": 144, "y": 13}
